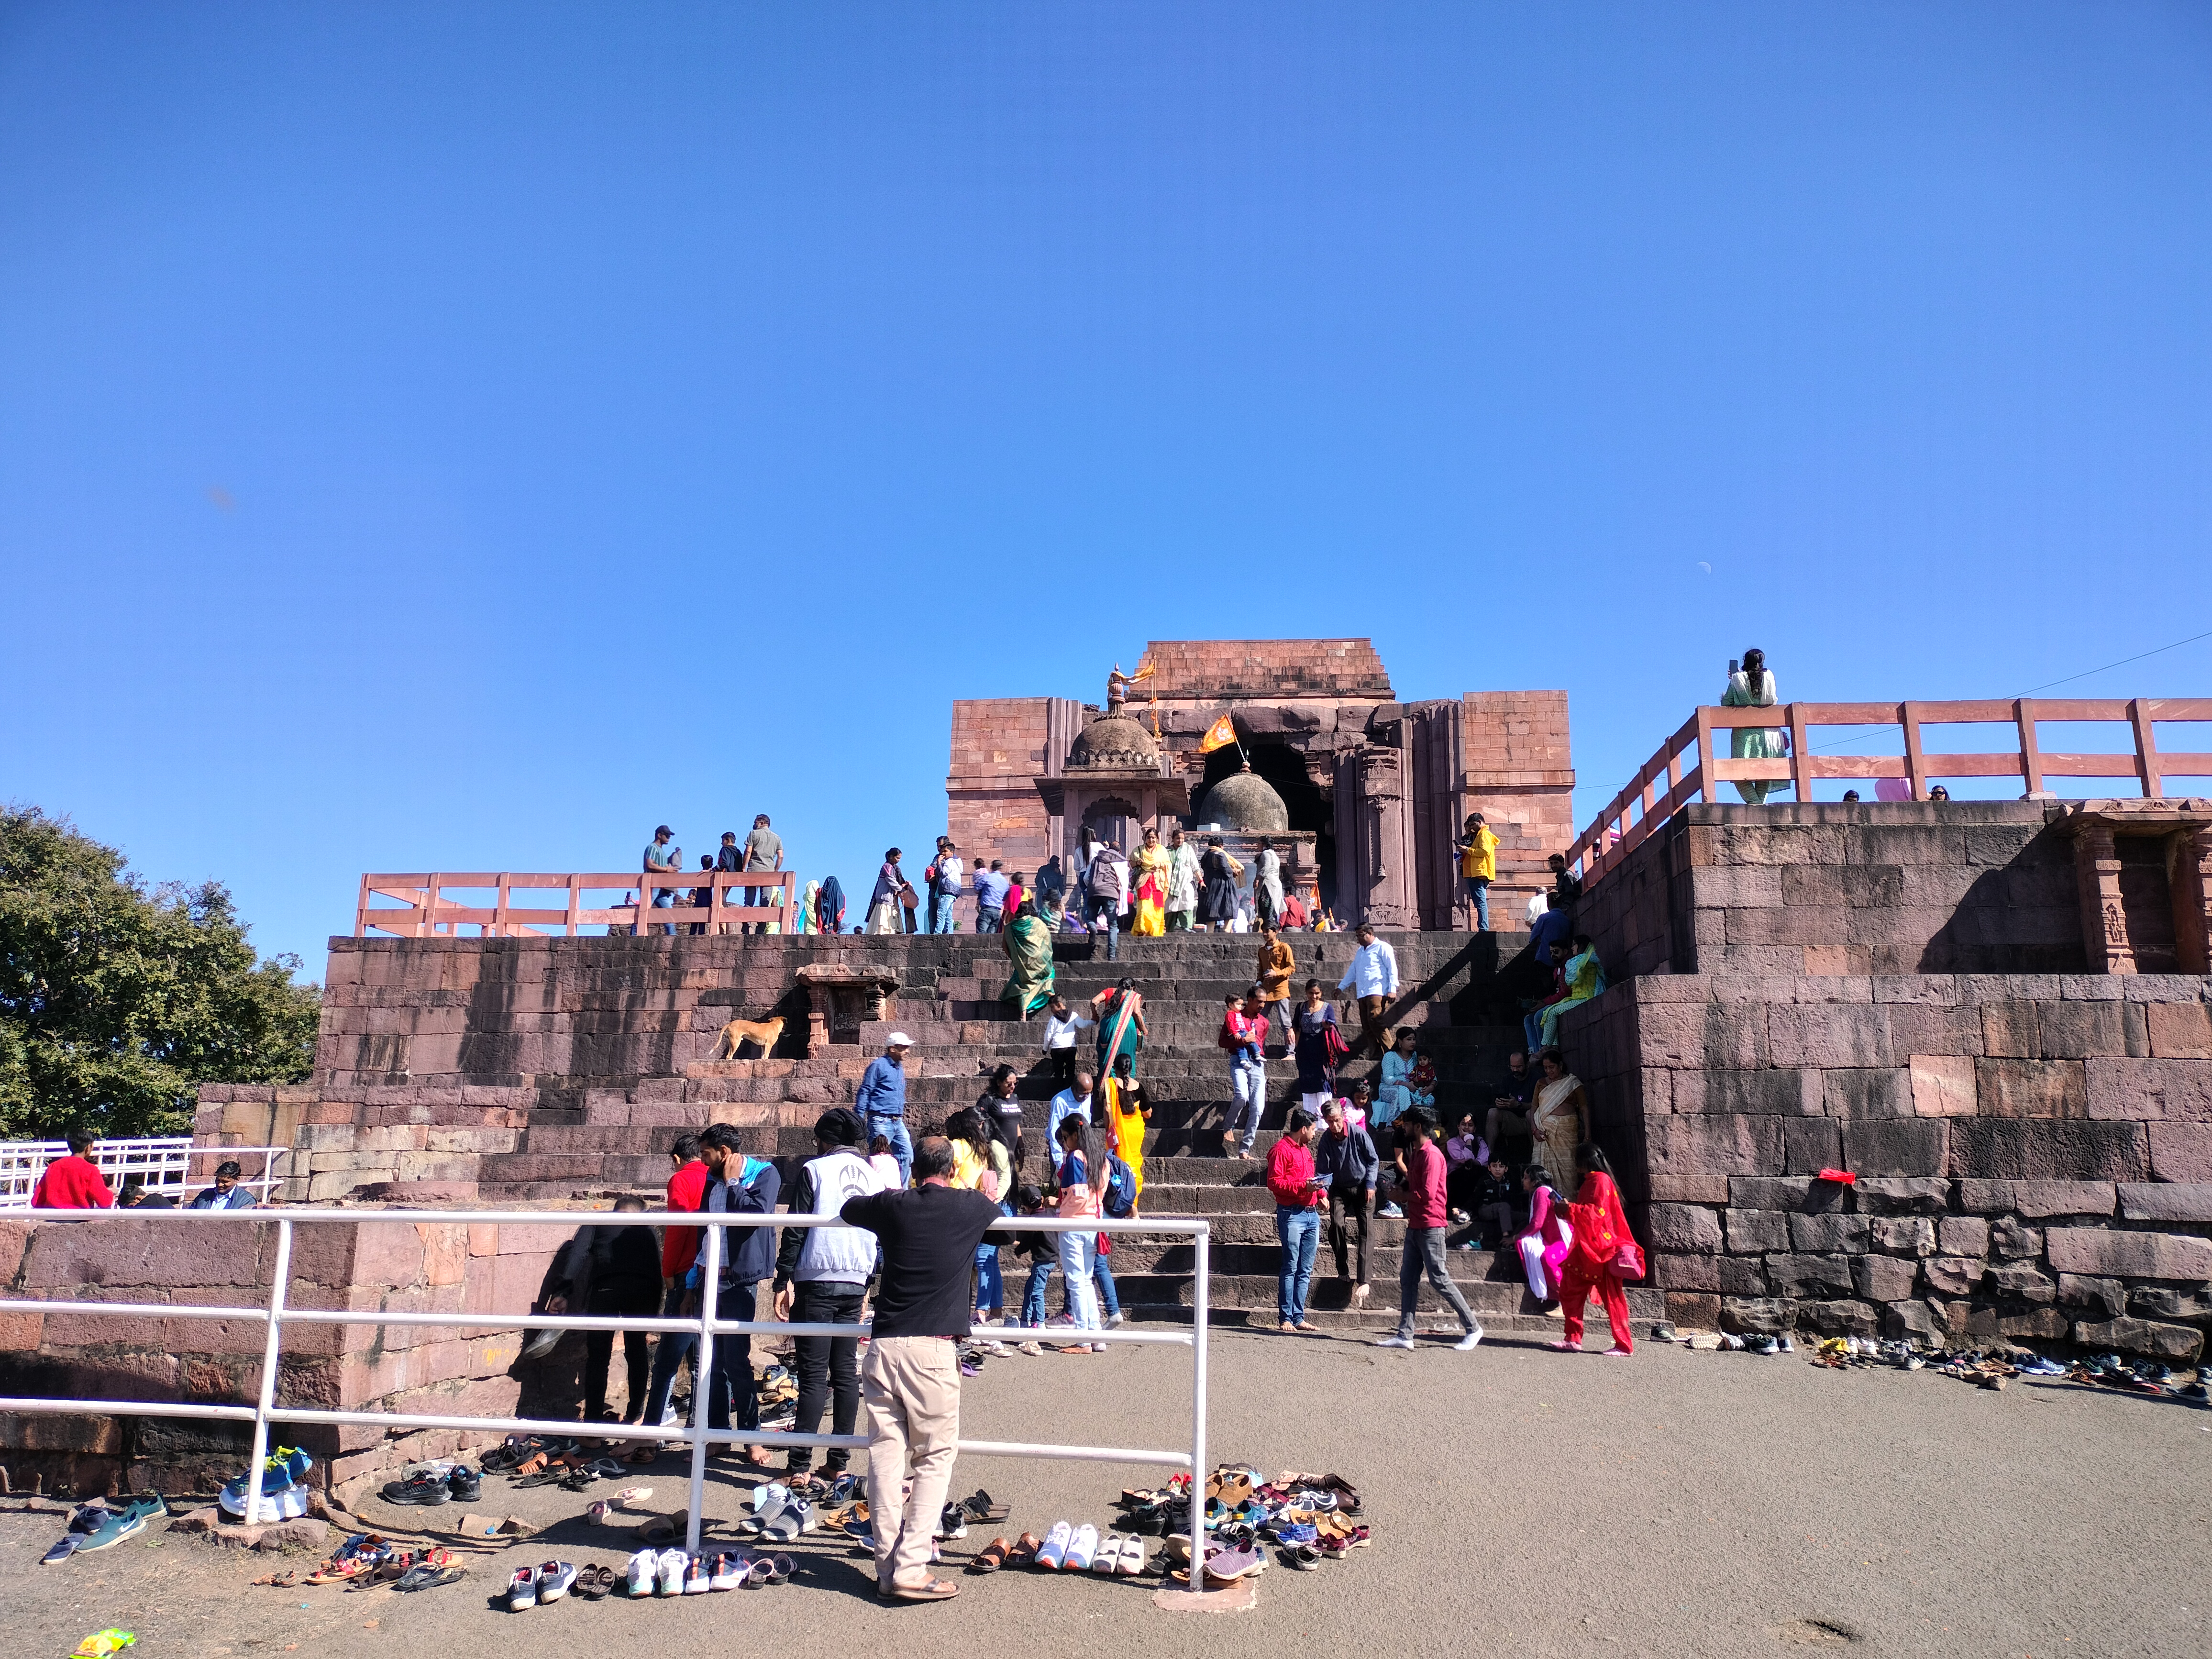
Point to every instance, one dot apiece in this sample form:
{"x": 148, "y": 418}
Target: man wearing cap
{"x": 881, "y": 1104}
{"x": 661, "y": 859}
{"x": 944, "y": 886}
{"x": 820, "y": 1275}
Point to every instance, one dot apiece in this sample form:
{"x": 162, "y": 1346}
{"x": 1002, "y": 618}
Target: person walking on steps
{"x": 1296, "y": 1191}
{"x": 910, "y": 1380}
{"x": 1347, "y": 1157}
{"x": 1373, "y": 978}
{"x": 882, "y": 1101}
{"x": 1243, "y": 1033}
{"x": 1423, "y": 1254}
{"x": 1108, "y": 883}
{"x": 1602, "y": 1254}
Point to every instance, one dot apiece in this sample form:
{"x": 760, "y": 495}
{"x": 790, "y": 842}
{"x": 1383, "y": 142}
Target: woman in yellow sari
{"x": 1152, "y": 865}
{"x": 1128, "y": 1115}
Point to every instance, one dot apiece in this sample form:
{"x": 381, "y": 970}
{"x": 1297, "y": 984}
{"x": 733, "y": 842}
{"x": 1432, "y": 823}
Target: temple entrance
{"x": 1114, "y": 820}
{"x": 1309, "y": 806}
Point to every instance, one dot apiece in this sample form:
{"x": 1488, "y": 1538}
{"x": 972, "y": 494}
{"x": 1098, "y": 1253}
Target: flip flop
{"x": 936, "y": 1589}
{"x": 1023, "y": 1551}
{"x": 594, "y": 1582}
{"x": 992, "y": 1557}
{"x": 981, "y": 1507}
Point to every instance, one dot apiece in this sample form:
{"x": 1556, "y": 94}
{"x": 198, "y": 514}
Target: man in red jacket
{"x": 1297, "y": 1223}
{"x": 1426, "y": 1213}
{"x": 73, "y": 1182}
{"x": 679, "y": 1249}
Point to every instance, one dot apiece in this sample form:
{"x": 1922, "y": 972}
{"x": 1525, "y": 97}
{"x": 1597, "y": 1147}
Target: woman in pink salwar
{"x": 1545, "y": 1241}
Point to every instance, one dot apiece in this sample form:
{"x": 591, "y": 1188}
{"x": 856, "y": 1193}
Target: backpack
{"x": 1119, "y": 1200}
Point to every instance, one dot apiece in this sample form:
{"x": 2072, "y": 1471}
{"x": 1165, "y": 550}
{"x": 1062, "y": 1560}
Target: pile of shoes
{"x": 777, "y": 1390}
{"x": 674, "y": 1572}
{"x": 283, "y": 1471}
{"x": 95, "y": 1526}
{"x": 2148, "y": 1377}
{"x": 431, "y": 1484}
{"x": 1841, "y": 1353}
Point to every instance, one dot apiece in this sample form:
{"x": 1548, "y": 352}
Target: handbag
{"x": 1627, "y": 1261}
{"x": 1334, "y": 1045}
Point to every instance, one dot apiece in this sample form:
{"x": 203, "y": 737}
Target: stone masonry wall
{"x": 2033, "y": 1153}
{"x": 417, "y": 1266}
{"x": 1874, "y": 887}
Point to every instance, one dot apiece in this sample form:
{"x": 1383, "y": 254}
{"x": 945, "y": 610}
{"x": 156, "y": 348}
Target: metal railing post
{"x": 256, "y": 1471}
{"x": 1199, "y": 1267}
{"x": 702, "y": 1381}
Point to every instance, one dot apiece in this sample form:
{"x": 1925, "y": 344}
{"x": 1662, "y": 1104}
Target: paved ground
{"x": 1523, "y": 1502}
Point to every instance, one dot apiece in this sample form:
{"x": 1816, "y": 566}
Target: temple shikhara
{"x": 1360, "y": 791}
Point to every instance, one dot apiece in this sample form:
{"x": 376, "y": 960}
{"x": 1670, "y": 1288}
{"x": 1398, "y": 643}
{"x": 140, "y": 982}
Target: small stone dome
{"x": 1244, "y": 801}
{"x": 1114, "y": 742}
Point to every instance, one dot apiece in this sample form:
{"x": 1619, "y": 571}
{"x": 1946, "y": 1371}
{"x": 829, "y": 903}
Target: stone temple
{"x": 1361, "y": 791}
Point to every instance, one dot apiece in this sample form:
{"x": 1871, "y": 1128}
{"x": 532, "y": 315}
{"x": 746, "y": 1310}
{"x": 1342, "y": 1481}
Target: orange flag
{"x": 1219, "y": 735}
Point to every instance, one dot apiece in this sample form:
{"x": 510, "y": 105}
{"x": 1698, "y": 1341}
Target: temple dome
{"x": 1114, "y": 741}
{"x": 1244, "y": 801}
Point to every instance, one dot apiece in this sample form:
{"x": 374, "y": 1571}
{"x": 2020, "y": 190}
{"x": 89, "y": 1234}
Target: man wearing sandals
{"x": 910, "y": 1379}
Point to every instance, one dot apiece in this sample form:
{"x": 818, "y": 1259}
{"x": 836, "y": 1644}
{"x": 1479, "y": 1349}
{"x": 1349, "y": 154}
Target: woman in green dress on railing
{"x": 1752, "y": 686}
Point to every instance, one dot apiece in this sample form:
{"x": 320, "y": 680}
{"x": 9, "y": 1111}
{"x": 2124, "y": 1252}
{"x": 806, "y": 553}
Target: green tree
{"x": 116, "y": 1001}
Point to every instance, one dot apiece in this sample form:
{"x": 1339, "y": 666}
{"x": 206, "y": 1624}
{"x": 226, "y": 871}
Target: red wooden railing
{"x": 1685, "y": 768}
{"x": 424, "y": 908}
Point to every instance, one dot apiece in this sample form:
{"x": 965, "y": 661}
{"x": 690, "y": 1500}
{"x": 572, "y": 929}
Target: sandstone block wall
{"x": 415, "y": 1267}
{"x": 2034, "y": 1152}
{"x": 1832, "y": 888}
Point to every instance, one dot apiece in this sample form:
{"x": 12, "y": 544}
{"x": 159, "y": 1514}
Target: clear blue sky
{"x": 462, "y": 437}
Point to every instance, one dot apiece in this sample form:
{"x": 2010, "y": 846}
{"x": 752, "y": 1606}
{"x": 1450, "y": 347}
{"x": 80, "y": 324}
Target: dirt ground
{"x": 1522, "y": 1501}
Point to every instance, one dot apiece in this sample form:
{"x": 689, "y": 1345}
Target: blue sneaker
{"x": 118, "y": 1527}
{"x": 280, "y": 1485}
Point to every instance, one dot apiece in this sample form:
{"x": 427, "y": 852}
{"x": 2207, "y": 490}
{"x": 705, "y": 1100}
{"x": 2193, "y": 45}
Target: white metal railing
{"x": 705, "y": 1324}
{"x": 161, "y": 1163}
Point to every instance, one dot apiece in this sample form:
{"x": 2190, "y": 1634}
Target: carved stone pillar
{"x": 2192, "y": 900}
{"x": 2104, "y": 924}
{"x": 1386, "y": 851}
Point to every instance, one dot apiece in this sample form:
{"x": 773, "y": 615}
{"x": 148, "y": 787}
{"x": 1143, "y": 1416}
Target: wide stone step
{"x": 1490, "y": 1300}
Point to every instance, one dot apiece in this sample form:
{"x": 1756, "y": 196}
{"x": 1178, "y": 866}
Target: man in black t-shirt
{"x": 910, "y": 1380}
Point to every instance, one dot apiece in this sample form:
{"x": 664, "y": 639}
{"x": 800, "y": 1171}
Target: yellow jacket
{"x": 1479, "y": 859}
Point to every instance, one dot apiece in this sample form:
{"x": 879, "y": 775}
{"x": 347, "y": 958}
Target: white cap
{"x": 899, "y": 1040}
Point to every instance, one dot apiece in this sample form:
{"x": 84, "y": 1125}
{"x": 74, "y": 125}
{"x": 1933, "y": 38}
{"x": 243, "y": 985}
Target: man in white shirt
{"x": 944, "y": 886}
{"x": 1074, "y": 1099}
{"x": 1373, "y": 978}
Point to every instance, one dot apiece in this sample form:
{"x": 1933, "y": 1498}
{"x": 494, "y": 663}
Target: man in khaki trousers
{"x": 910, "y": 1380}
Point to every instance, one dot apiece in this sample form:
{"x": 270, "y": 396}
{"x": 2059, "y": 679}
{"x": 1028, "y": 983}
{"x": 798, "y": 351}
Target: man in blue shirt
{"x": 1075, "y": 1099}
{"x": 882, "y": 1102}
{"x": 225, "y": 1193}
{"x": 991, "y": 889}
{"x": 1552, "y": 924}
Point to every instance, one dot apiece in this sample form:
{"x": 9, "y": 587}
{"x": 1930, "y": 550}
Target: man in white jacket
{"x": 821, "y": 1273}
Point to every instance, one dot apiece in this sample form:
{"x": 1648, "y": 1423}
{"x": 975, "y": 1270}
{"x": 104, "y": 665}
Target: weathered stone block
{"x": 2155, "y": 1091}
{"x": 1827, "y": 1233}
{"x": 2083, "y": 1030}
{"x": 1785, "y": 1094}
{"x": 1693, "y": 1310}
{"x": 1896, "y": 1147}
{"x": 1910, "y": 1322}
{"x": 1810, "y": 1145}
{"x": 1965, "y": 1235}
{"x": 1748, "y": 1314}
{"x": 2180, "y": 1152}
{"x": 2037, "y": 1321}
{"x": 1861, "y": 1092}
{"x": 1794, "y": 1275}
{"x": 2163, "y": 1201}
{"x": 2173, "y": 1342}
{"x": 1714, "y": 1143}
{"x": 1904, "y": 1195}
{"x": 2047, "y": 1148}
{"x": 2039, "y": 1199}
{"x": 1884, "y": 1278}
{"x": 1953, "y": 1275}
{"x": 2032, "y": 1088}
{"x": 2130, "y": 1255}
{"x": 2105, "y": 1297}
{"x": 1743, "y": 1275}
{"x": 2022, "y": 1282}
{"x": 1828, "y": 1035}
{"x": 1783, "y": 1193}
{"x": 1838, "y": 1318}
{"x": 2009, "y": 1029}
{"x": 1757, "y": 1231}
{"x": 1684, "y": 1229}
{"x": 1913, "y": 1236}
{"x": 1685, "y": 1273}
{"x": 2011, "y": 1241}
{"x": 2180, "y": 1030}
{"x": 1688, "y": 1188}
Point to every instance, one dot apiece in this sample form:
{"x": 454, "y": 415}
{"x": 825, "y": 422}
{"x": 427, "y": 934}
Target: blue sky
{"x": 461, "y": 438}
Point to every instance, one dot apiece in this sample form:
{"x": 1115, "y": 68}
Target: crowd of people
{"x": 75, "y": 1182}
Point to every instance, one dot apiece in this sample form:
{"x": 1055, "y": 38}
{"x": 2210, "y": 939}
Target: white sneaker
{"x": 1117, "y": 1321}
{"x": 1468, "y": 1343}
{"x": 1396, "y": 1342}
{"x": 644, "y": 1567}
{"x": 673, "y": 1562}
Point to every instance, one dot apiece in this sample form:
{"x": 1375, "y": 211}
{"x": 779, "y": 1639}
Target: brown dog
{"x": 738, "y": 1032}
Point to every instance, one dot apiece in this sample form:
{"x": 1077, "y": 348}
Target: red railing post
{"x": 1705, "y": 791}
{"x": 2031, "y": 748}
{"x": 2154, "y": 786}
{"x": 1801, "y": 763}
{"x": 1915, "y": 766}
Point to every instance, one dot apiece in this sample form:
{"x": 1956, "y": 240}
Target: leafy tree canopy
{"x": 117, "y": 1002}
